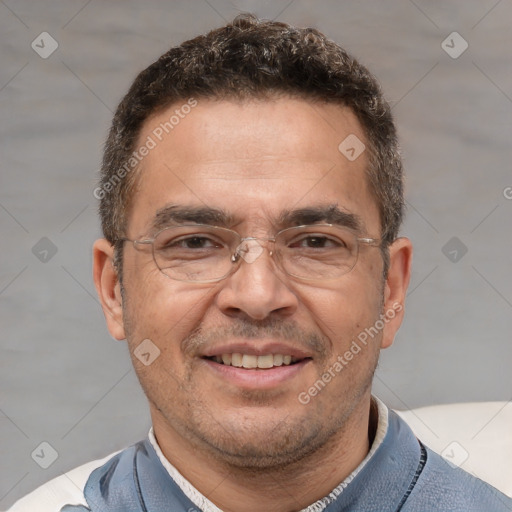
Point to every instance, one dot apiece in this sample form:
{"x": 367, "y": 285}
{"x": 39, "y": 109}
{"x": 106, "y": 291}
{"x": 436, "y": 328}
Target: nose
{"x": 258, "y": 289}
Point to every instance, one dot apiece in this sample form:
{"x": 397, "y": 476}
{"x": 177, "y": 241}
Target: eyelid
{"x": 209, "y": 232}
{"x": 289, "y": 230}
{"x": 323, "y": 225}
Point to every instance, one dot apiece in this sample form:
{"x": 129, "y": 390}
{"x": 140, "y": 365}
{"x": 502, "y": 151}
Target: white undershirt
{"x": 206, "y": 505}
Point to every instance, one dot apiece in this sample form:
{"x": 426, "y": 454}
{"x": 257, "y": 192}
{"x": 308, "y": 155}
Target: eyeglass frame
{"x": 235, "y": 257}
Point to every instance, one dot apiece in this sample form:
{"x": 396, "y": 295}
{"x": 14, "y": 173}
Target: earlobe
{"x": 108, "y": 287}
{"x": 395, "y": 290}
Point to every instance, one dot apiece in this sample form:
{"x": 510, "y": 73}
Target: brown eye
{"x": 196, "y": 242}
{"x": 316, "y": 242}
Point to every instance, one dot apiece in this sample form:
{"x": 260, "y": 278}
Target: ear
{"x": 397, "y": 282}
{"x": 108, "y": 287}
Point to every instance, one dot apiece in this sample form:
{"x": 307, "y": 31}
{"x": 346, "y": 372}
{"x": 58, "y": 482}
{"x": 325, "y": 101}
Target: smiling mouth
{"x": 251, "y": 362}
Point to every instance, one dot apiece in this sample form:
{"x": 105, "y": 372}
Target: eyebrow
{"x": 178, "y": 214}
{"x": 330, "y": 214}
{"x": 175, "y": 214}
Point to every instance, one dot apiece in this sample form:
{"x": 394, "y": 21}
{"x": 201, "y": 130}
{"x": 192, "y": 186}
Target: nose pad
{"x": 249, "y": 250}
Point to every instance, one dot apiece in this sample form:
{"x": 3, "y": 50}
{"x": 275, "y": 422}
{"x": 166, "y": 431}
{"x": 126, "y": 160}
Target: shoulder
{"x": 443, "y": 486}
{"x": 474, "y": 435}
{"x": 451, "y": 430}
{"x": 66, "y": 489}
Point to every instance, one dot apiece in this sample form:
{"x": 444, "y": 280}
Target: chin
{"x": 257, "y": 444}
{"x": 264, "y": 457}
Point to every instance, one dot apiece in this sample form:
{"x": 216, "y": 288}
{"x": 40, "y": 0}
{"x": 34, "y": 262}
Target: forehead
{"x": 253, "y": 160}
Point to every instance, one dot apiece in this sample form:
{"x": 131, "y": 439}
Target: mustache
{"x": 204, "y": 336}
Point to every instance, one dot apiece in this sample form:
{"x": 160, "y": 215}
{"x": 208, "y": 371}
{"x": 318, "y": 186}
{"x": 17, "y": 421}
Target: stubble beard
{"x": 250, "y": 447}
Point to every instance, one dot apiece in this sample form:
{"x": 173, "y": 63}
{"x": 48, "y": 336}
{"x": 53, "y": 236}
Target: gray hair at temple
{"x": 252, "y": 58}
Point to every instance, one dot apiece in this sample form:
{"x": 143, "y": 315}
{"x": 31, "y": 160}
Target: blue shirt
{"x": 402, "y": 475}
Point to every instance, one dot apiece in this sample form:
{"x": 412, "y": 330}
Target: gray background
{"x": 65, "y": 381}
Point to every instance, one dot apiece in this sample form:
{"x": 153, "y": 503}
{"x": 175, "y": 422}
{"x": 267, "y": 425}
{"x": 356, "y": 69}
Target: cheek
{"x": 344, "y": 301}
{"x": 343, "y": 310}
{"x": 162, "y": 310}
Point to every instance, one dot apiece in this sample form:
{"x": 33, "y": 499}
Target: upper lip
{"x": 256, "y": 348}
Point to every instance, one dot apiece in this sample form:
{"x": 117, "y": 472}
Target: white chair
{"x": 475, "y": 436}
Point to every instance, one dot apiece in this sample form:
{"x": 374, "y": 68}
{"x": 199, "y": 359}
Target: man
{"x": 251, "y": 197}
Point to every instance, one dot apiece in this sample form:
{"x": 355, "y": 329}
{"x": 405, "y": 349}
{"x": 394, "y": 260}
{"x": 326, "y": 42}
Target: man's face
{"x": 253, "y": 161}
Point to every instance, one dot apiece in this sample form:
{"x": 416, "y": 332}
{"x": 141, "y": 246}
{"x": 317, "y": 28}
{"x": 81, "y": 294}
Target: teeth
{"x": 278, "y": 360}
{"x": 236, "y": 360}
{"x": 251, "y": 361}
{"x": 265, "y": 361}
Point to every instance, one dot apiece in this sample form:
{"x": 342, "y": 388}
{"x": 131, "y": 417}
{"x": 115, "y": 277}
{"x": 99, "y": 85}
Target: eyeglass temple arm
{"x": 369, "y": 241}
{"x": 136, "y": 243}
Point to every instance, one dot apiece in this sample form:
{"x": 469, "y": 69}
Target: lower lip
{"x": 257, "y": 378}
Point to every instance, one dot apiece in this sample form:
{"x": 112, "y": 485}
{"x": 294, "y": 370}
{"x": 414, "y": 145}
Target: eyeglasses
{"x": 207, "y": 254}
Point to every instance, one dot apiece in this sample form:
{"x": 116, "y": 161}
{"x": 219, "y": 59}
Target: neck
{"x": 290, "y": 488}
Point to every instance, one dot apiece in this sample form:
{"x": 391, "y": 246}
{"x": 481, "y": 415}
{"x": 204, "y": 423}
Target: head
{"x": 241, "y": 129}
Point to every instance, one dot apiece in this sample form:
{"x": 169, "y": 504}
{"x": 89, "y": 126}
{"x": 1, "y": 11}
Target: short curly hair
{"x": 252, "y": 58}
